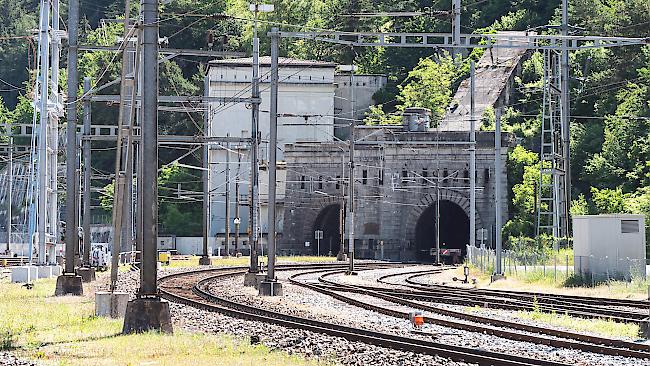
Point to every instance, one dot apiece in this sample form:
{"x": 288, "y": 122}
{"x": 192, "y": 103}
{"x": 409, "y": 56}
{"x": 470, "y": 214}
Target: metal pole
{"x": 237, "y": 218}
{"x": 438, "y": 181}
{"x": 253, "y": 209}
{"x": 149, "y": 129}
{"x": 87, "y": 172}
{"x": 273, "y": 147}
{"x": 565, "y": 117}
{"x": 497, "y": 190}
{"x": 227, "y": 220}
{"x": 351, "y": 177}
{"x": 42, "y": 214}
{"x": 10, "y": 172}
{"x": 206, "y": 169}
{"x": 53, "y": 134}
{"x": 472, "y": 158}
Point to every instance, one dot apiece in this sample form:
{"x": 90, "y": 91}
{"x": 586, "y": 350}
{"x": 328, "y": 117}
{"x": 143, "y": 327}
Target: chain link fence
{"x": 559, "y": 266}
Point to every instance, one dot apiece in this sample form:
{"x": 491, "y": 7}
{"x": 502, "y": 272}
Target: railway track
{"x": 625, "y": 311}
{"x": 191, "y": 289}
{"x": 540, "y": 335}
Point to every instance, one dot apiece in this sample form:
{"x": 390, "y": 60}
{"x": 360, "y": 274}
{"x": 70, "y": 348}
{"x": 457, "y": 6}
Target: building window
{"x": 302, "y": 182}
{"x": 364, "y": 176}
{"x": 629, "y": 226}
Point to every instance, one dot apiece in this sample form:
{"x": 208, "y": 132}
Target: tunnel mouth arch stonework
{"x": 328, "y": 220}
{"x": 454, "y": 230}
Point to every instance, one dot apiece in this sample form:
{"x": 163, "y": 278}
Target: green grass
{"x": 537, "y": 280}
{"x": 243, "y": 261}
{"x": 63, "y": 331}
{"x": 605, "y": 327}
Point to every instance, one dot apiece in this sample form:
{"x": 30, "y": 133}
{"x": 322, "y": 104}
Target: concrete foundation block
{"x": 87, "y": 274}
{"x": 69, "y": 284}
{"x": 253, "y": 279}
{"x": 496, "y": 277}
{"x": 270, "y": 288}
{"x": 111, "y": 304}
{"x": 205, "y": 261}
{"x": 145, "y": 314}
{"x": 24, "y": 274}
{"x": 44, "y": 271}
{"x": 57, "y": 270}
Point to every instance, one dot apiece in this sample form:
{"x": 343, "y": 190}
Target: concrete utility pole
{"x": 69, "y": 283}
{"x": 565, "y": 110}
{"x": 439, "y": 180}
{"x": 122, "y": 197}
{"x": 252, "y": 215}
{"x": 10, "y": 172}
{"x": 270, "y": 286}
{"x": 205, "y": 258}
{"x": 87, "y": 173}
{"x": 227, "y": 220}
{"x": 237, "y": 218}
{"x": 498, "y": 272}
{"x": 350, "y": 270}
{"x": 148, "y": 311}
{"x": 472, "y": 157}
{"x": 253, "y": 235}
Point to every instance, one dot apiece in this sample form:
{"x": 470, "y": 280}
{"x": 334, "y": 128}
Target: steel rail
{"x": 450, "y": 295}
{"x": 198, "y": 297}
{"x": 641, "y": 304}
{"x": 571, "y": 340}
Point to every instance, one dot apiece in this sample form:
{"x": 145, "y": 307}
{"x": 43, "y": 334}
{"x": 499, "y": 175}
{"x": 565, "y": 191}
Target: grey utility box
{"x": 609, "y": 246}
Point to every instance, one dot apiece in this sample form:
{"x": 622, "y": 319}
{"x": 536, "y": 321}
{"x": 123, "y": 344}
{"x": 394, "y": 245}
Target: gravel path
{"x": 9, "y": 359}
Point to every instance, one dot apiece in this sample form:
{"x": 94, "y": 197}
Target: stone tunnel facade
{"x": 396, "y": 176}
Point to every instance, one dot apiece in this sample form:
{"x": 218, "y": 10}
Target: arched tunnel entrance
{"x": 454, "y": 231}
{"x": 329, "y": 221}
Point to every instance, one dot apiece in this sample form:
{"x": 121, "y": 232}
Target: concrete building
{"x": 306, "y": 108}
{"x": 396, "y": 174}
{"x": 609, "y": 246}
{"x": 353, "y": 92}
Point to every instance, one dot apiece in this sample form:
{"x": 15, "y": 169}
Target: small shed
{"x": 609, "y": 246}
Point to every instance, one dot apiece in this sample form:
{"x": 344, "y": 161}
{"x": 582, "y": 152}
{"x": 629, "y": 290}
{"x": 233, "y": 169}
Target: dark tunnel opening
{"x": 329, "y": 221}
{"x": 454, "y": 232}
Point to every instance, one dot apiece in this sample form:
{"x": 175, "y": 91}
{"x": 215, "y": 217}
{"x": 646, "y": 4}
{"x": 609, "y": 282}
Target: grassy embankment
{"x": 536, "y": 279}
{"x": 63, "y": 331}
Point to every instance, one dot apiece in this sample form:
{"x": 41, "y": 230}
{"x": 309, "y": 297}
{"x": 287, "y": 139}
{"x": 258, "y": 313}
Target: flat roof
{"x": 266, "y": 61}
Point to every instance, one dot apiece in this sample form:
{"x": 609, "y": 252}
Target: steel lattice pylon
{"x": 552, "y": 217}
{"x": 48, "y": 108}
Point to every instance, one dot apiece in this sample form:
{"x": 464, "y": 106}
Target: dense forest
{"x": 610, "y": 88}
